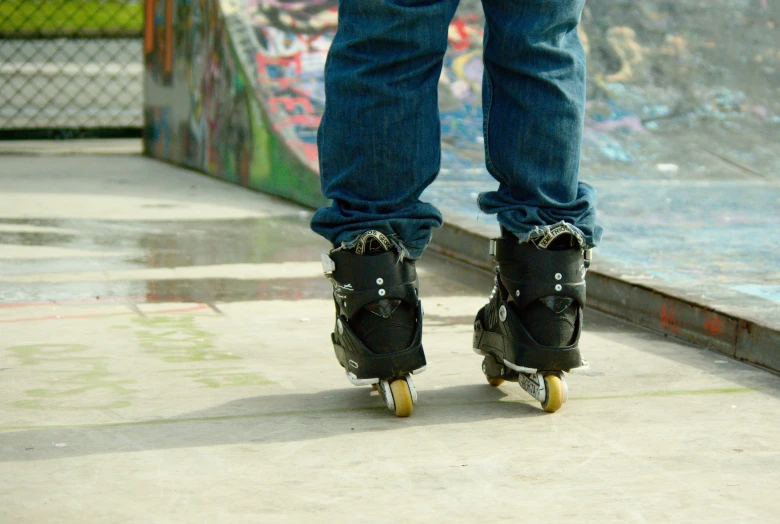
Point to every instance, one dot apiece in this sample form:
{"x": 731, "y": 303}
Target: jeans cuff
{"x": 553, "y": 230}
{"x": 403, "y": 251}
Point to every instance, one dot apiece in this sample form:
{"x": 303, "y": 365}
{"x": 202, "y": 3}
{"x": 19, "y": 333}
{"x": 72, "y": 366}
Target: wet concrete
{"x": 58, "y": 247}
{"x": 130, "y": 394}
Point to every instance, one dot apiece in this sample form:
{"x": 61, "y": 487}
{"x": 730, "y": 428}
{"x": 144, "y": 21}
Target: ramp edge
{"x": 660, "y": 311}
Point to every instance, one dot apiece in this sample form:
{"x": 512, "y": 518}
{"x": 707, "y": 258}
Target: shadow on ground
{"x": 269, "y": 419}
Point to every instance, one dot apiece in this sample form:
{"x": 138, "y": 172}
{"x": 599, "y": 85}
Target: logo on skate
{"x": 365, "y": 241}
{"x": 553, "y": 234}
{"x": 534, "y": 387}
{"x": 341, "y": 289}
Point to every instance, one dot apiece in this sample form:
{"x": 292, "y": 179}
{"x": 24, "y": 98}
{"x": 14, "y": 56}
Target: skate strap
{"x": 529, "y": 272}
{"x": 361, "y": 280}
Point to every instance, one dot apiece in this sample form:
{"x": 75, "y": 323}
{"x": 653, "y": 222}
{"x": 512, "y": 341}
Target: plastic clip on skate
{"x": 527, "y": 274}
{"x": 379, "y": 282}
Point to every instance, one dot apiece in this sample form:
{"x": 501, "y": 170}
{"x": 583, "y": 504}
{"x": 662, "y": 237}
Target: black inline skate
{"x": 378, "y": 334}
{"x": 530, "y": 329}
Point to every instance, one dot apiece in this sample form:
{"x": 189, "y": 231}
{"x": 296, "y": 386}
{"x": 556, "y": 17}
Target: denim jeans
{"x": 380, "y": 140}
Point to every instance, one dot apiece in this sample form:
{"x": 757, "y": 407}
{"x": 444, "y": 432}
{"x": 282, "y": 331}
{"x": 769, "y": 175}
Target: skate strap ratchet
{"x": 361, "y": 280}
{"x": 530, "y": 272}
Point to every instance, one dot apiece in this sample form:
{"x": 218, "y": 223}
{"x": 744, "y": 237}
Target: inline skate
{"x": 530, "y": 328}
{"x": 378, "y": 332}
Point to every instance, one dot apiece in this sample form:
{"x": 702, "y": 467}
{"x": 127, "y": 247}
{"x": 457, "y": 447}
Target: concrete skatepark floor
{"x": 165, "y": 357}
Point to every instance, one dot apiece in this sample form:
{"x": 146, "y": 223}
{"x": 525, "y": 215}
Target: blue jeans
{"x": 380, "y": 140}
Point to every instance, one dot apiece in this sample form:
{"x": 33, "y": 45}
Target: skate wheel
{"x": 402, "y": 397}
{"x": 493, "y": 371}
{"x": 555, "y": 393}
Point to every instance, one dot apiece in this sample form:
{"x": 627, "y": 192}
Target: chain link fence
{"x": 71, "y": 67}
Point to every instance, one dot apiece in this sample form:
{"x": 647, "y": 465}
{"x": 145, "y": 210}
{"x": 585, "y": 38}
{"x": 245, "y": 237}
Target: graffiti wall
{"x": 220, "y": 96}
{"x": 235, "y": 87}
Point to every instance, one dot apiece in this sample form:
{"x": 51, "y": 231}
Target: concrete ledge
{"x": 87, "y": 146}
{"x": 695, "y": 323}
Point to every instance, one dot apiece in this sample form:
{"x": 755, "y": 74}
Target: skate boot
{"x": 530, "y": 329}
{"x": 378, "y": 334}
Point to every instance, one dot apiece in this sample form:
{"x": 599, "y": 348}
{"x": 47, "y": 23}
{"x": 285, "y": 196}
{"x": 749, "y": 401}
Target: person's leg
{"x": 379, "y": 147}
{"x": 534, "y": 102}
{"x": 534, "y": 98}
{"x": 379, "y": 139}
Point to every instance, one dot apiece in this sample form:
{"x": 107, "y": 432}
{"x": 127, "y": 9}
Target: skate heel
{"x": 378, "y": 334}
{"x": 529, "y": 330}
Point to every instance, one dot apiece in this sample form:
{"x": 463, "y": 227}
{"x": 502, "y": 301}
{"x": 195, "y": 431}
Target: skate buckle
{"x": 328, "y": 265}
{"x": 492, "y": 251}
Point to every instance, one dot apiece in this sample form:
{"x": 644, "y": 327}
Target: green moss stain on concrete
{"x": 179, "y": 340}
{"x": 224, "y": 377}
{"x": 72, "y": 380}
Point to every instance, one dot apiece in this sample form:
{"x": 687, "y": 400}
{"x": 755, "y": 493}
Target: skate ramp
{"x": 680, "y": 141}
{"x": 232, "y": 89}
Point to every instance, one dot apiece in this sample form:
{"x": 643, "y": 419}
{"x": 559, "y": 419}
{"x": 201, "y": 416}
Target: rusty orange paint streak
{"x": 713, "y": 325}
{"x": 669, "y": 320}
{"x": 149, "y": 26}
{"x": 115, "y": 300}
{"x": 169, "y": 36}
{"x": 99, "y": 315}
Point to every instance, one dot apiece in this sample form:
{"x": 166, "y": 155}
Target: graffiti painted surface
{"x": 679, "y": 106}
{"x": 653, "y": 69}
{"x": 206, "y": 108}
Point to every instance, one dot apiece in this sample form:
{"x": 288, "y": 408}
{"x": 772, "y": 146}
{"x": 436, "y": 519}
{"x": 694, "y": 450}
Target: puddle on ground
{"x": 144, "y": 245}
{"x": 156, "y": 244}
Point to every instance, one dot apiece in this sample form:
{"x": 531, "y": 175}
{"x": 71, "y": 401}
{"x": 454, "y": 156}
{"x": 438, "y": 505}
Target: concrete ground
{"x": 164, "y": 357}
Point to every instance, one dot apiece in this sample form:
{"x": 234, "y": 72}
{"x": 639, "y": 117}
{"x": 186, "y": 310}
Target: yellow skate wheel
{"x": 495, "y": 382}
{"x": 402, "y": 398}
{"x": 555, "y": 393}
